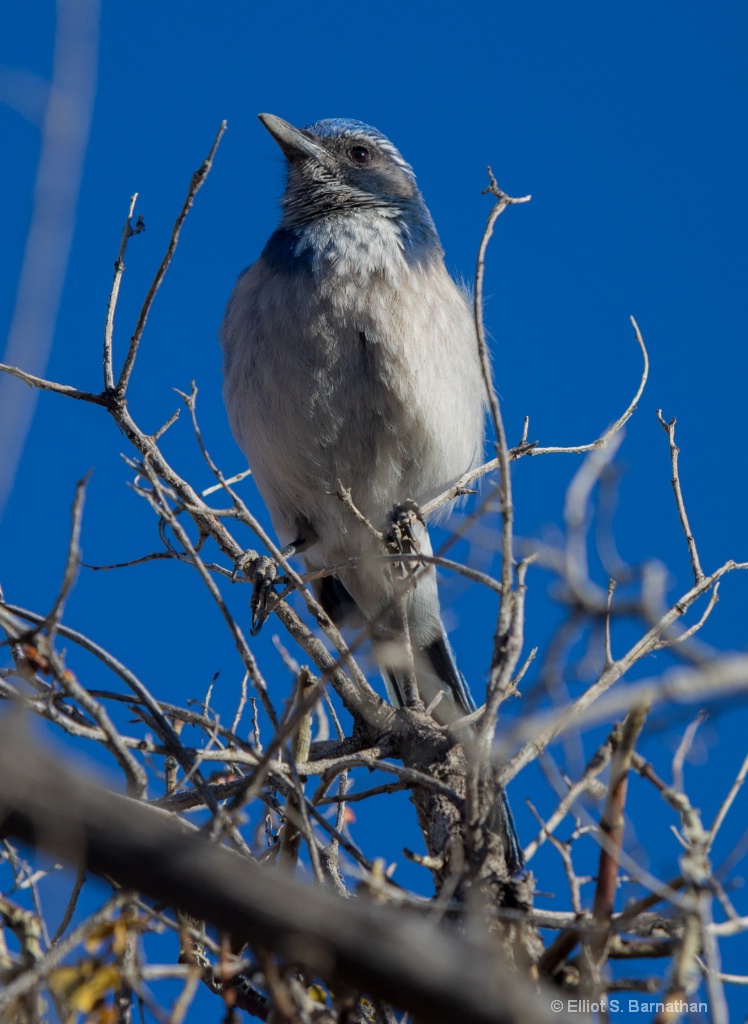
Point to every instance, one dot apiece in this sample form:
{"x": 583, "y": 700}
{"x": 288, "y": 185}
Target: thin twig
{"x": 162, "y": 507}
{"x": 611, "y": 825}
{"x": 119, "y": 267}
{"x": 137, "y": 780}
{"x": 669, "y": 429}
{"x": 59, "y": 389}
{"x": 597, "y": 763}
{"x": 29, "y": 979}
{"x": 524, "y": 449}
{"x": 345, "y": 495}
{"x": 608, "y": 647}
{"x": 728, "y": 801}
{"x": 349, "y": 797}
{"x": 166, "y": 731}
{"x": 688, "y": 633}
{"x": 67, "y": 917}
{"x": 410, "y": 775}
{"x": 198, "y": 179}
{"x": 726, "y": 676}
{"x": 502, "y": 449}
{"x": 73, "y": 558}
{"x": 683, "y": 750}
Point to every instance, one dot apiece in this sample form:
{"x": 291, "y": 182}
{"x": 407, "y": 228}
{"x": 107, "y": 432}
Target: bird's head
{"x": 339, "y": 164}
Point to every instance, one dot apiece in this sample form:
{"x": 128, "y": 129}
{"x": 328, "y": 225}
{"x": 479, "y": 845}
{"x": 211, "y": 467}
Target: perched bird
{"x": 350, "y": 357}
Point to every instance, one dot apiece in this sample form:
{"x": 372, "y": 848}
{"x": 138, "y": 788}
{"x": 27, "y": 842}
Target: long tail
{"x": 439, "y": 679}
{"x": 441, "y": 685}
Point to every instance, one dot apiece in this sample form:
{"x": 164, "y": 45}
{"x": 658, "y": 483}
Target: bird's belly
{"x": 368, "y": 387}
{"x": 344, "y": 423}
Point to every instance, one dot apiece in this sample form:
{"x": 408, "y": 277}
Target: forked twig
{"x": 198, "y": 180}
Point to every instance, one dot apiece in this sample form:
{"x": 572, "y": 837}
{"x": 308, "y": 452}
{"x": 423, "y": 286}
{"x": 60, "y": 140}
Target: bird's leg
{"x": 401, "y": 536}
{"x": 264, "y": 574}
{"x": 263, "y": 571}
{"x": 406, "y": 676}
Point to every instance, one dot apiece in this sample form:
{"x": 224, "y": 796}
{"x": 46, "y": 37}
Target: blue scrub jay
{"x": 350, "y": 356}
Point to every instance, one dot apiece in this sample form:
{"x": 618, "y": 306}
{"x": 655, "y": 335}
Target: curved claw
{"x": 264, "y": 573}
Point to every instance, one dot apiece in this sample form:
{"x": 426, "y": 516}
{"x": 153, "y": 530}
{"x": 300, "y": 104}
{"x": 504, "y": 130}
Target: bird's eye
{"x": 360, "y": 155}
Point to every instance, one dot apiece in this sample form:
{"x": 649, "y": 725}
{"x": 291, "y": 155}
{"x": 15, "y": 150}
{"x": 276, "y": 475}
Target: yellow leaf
{"x": 83, "y": 986}
{"x": 119, "y": 943}
{"x": 65, "y": 980}
{"x": 116, "y": 931}
{"x": 318, "y": 994}
{"x": 106, "y": 979}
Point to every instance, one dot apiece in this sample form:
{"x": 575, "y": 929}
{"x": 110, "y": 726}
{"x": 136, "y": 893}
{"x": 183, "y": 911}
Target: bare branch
{"x": 620, "y": 422}
{"x": 67, "y": 917}
{"x": 611, "y": 825}
{"x": 724, "y": 677}
{"x": 504, "y": 488}
{"x": 669, "y": 429}
{"x": 523, "y": 449}
{"x": 49, "y": 385}
{"x": 678, "y": 638}
{"x": 198, "y": 179}
{"x": 162, "y": 507}
{"x": 683, "y": 750}
{"x": 119, "y": 267}
{"x": 161, "y": 723}
{"x": 728, "y": 801}
{"x": 598, "y": 762}
{"x": 433, "y": 974}
{"x": 73, "y": 558}
{"x": 46, "y": 654}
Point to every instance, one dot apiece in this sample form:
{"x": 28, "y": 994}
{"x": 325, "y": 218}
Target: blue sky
{"x": 626, "y": 123}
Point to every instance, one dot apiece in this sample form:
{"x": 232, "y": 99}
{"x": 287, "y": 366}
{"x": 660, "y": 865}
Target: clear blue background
{"x": 626, "y": 122}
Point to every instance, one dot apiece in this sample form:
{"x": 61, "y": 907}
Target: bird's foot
{"x": 402, "y": 533}
{"x": 264, "y": 575}
{"x": 262, "y": 571}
